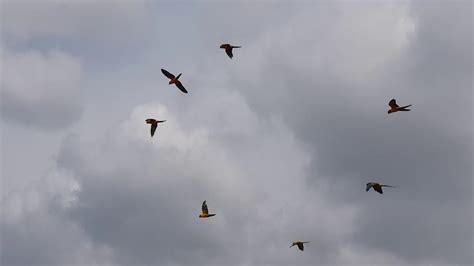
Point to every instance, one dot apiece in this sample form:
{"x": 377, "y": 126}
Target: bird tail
{"x": 178, "y": 76}
{"x": 236, "y": 46}
{"x": 404, "y": 108}
{"x": 210, "y": 215}
{"x": 160, "y": 121}
{"x": 386, "y": 186}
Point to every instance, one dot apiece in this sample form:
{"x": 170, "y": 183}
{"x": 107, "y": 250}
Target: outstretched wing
{"x": 393, "y": 103}
{"x": 204, "y": 208}
{"x": 229, "y": 52}
{"x": 368, "y": 186}
{"x": 181, "y": 87}
{"x": 167, "y": 74}
{"x": 300, "y": 246}
{"x": 153, "y": 128}
{"x": 378, "y": 188}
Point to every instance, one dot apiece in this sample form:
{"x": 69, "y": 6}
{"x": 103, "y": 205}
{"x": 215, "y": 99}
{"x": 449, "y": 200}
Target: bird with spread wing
{"x": 376, "y": 186}
{"x": 299, "y": 244}
{"x": 154, "y": 124}
{"x": 228, "y": 49}
{"x": 395, "y": 108}
{"x": 205, "y": 211}
{"x": 174, "y": 80}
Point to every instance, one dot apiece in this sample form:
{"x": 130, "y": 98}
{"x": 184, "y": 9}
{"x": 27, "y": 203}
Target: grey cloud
{"x": 41, "y": 90}
{"x": 141, "y": 196}
{"x": 282, "y": 140}
{"x": 340, "y": 113}
{"x": 34, "y": 230}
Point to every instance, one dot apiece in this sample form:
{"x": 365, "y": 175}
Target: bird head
{"x": 368, "y": 186}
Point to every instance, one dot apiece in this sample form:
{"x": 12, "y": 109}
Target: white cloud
{"x": 254, "y": 179}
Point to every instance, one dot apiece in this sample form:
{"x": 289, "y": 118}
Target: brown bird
{"x": 205, "y": 211}
{"x": 376, "y": 186}
{"x": 299, "y": 244}
{"x": 174, "y": 80}
{"x": 154, "y": 124}
{"x": 395, "y": 108}
{"x": 228, "y": 49}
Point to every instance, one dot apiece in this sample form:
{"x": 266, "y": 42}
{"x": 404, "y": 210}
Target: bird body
{"x": 174, "y": 80}
{"x": 395, "y": 108}
{"x": 205, "y": 212}
{"x": 376, "y": 186}
{"x": 228, "y": 49}
{"x": 154, "y": 124}
{"x": 299, "y": 244}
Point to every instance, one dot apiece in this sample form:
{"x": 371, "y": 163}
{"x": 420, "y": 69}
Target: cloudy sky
{"x": 280, "y": 140}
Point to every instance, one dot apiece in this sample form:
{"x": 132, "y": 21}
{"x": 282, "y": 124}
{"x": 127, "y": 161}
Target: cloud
{"x": 334, "y": 95}
{"x": 137, "y": 198}
{"x": 150, "y": 190}
{"x": 280, "y": 141}
{"x": 41, "y": 89}
{"x": 35, "y": 231}
{"x": 97, "y": 20}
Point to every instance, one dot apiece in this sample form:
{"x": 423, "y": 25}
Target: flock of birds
{"x": 394, "y": 107}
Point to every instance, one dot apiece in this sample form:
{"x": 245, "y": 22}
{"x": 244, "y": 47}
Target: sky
{"x": 280, "y": 140}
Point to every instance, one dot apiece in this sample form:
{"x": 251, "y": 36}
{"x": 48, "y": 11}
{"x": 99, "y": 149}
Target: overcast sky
{"x": 280, "y": 140}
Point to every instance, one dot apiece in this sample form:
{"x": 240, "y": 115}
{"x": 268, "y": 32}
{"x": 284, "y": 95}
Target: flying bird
{"x": 205, "y": 211}
{"x": 228, "y": 49}
{"x": 154, "y": 124}
{"x": 376, "y": 186}
{"x": 300, "y": 244}
{"x": 174, "y": 80}
{"x": 395, "y": 108}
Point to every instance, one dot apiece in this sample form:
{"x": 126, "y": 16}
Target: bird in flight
{"x": 228, "y": 49}
{"x": 395, "y": 108}
{"x": 174, "y": 80}
{"x": 154, "y": 124}
{"x": 299, "y": 244}
{"x": 376, "y": 186}
{"x": 205, "y": 211}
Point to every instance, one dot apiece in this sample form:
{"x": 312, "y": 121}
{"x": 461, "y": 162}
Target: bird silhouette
{"x": 174, "y": 80}
{"x": 395, "y": 108}
{"x": 205, "y": 211}
{"x": 154, "y": 124}
{"x": 376, "y": 186}
{"x": 299, "y": 244}
{"x": 228, "y": 49}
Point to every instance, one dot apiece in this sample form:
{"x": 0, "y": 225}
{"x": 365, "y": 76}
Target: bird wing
{"x": 300, "y": 246}
{"x": 393, "y": 103}
{"x": 153, "y": 128}
{"x": 369, "y": 185}
{"x": 204, "y": 208}
{"x": 167, "y": 74}
{"x": 180, "y": 86}
{"x": 228, "y": 51}
{"x": 378, "y": 188}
